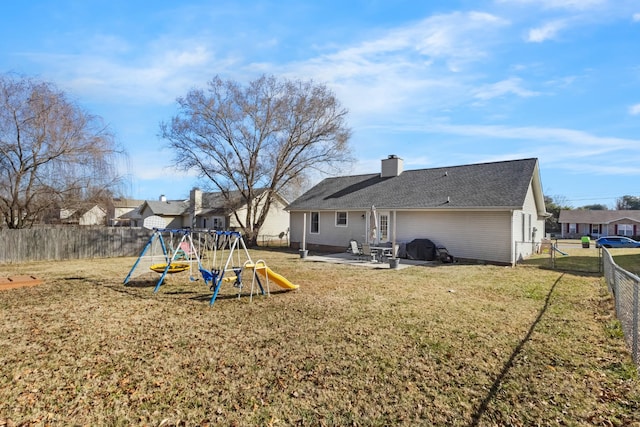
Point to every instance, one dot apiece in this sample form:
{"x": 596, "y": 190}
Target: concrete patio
{"x": 348, "y": 258}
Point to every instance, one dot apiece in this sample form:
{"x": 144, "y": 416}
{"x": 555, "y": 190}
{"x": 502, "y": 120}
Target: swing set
{"x": 218, "y": 256}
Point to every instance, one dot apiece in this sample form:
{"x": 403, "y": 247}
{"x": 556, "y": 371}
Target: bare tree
{"x": 628, "y": 203}
{"x": 52, "y": 152}
{"x": 258, "y": 140}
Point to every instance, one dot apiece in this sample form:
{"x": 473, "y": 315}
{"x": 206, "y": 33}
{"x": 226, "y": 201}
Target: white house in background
{"x": 175, "y": 213}
{"x": 596, "y": 223}
{"x": 96, "y": 215}
{"x": 492, "y": 212}
{"x": 123, "y": 212}
{"x": 212, "y": 210}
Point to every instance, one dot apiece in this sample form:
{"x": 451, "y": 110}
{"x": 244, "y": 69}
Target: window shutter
{"x": 577, "y": 228}
{"x": 615, "y": 230}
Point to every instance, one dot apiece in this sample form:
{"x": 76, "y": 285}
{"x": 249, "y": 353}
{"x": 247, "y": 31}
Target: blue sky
{"x": 438, "y": 83}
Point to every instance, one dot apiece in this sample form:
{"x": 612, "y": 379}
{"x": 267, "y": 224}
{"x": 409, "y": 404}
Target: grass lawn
{"x": 448, "y": 345}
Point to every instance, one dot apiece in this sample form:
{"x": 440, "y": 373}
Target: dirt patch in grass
{"x": 449, "y": 345}
{"x": 15, "y": 282}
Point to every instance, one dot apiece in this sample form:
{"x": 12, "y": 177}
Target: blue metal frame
{"x": 215, "y": 277}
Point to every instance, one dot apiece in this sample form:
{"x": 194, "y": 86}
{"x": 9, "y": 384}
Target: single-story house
{"x": 576, "y": 223}
{"x": 491, "y": 212}
{"x": 124, "y": 212}
{"x": 95, "y": 215}
{"x": 212, "y": 210}
{"x": 175, "y": 213}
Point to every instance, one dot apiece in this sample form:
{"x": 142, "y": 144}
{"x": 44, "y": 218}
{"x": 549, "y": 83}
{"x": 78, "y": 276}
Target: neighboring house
{"x": 174, "y": 212}
{"x": 96, "y": 215}
{"x": 211, "y": 210}
{"x": 492, "y": 212}
{"x": 124, "y": 213}
{"x": 598, "y": 223}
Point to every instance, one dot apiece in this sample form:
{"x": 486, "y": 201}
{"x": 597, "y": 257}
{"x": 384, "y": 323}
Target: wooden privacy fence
{"x": 42, "y": 244}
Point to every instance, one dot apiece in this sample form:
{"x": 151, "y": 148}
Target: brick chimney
{"x": 391, "y": 166}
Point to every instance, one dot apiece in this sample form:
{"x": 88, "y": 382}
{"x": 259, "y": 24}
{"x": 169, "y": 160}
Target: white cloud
{"x": 555, "y": 135}
{"x": 634, "y": 110}
{"x": 512, "y": 85}
{"x": 560, "y": 4}
{"x": 400, "y": 68}
{"x": 158, "y": 78}
{"x": 546, "y": 32}
{"x": 455, "y": 38}
{"x": 636, "y": 17}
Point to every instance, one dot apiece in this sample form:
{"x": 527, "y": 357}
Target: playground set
{"x": 216, "y": 256}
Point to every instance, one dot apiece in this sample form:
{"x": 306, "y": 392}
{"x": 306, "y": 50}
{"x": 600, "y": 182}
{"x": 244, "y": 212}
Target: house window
{"x": 218, "y": 223}
{"x": 573, "y": 228}
{"x": 595, "y": 229}
{"x": 625, "y": 230}
{"x": 341, "y": 219}
{"x": 315, "y": 222}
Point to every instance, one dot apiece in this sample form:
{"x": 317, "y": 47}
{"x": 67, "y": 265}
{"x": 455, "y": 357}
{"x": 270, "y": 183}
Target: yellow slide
{"x": 272, "y": 276}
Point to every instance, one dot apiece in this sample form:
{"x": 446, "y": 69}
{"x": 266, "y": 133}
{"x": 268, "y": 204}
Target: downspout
{"x": 513, "y": 241}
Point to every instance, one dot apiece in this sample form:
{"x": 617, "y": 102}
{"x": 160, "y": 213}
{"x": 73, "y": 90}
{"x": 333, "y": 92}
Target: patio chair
{"x": 355, "y": 250}
{"x": 369, "y": 254}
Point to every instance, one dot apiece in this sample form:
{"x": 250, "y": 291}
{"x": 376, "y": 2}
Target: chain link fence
{"x": 574, "y": 256}
{"x": 274, "y": 241}
{"x": 624, "y": 287}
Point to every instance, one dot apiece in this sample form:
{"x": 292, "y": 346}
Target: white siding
{"x": 277, "y": 220}
{"x": 498, "y": 236}
{"x": 526, "y": 239}
{"x": 94, "y": 216}
{"x": 472, "y": 234}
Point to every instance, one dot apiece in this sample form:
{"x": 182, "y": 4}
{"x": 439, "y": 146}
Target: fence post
{"x": 634, "y": 344}
{"x": 600, "y": 261}
{"x": 616, "y": 294}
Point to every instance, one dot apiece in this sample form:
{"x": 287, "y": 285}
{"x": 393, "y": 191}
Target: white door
{"x": 383, "y": 221}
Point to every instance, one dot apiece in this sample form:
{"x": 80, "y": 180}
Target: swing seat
{"x": 208, "y": 276}
{"x": 173, "y": 268}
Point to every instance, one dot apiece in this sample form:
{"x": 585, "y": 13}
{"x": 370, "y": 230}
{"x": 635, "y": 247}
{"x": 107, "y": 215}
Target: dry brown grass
{"x": 450, "y": 345}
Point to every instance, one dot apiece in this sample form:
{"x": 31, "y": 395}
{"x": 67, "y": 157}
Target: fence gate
{"x": 574, "y": 256}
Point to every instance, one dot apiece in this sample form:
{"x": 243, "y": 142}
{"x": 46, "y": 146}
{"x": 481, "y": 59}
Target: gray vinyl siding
{"x": 329, "y": 234}
{"x": 472, "y": 235}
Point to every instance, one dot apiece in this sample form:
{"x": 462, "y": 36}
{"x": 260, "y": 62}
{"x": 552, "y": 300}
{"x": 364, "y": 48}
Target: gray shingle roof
{"x": 170, "y": 207}
{"x": 584, "y": 216}
{"x": 483, "y": 185}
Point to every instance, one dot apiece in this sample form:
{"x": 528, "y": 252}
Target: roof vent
{"x": 391, "y": 166}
